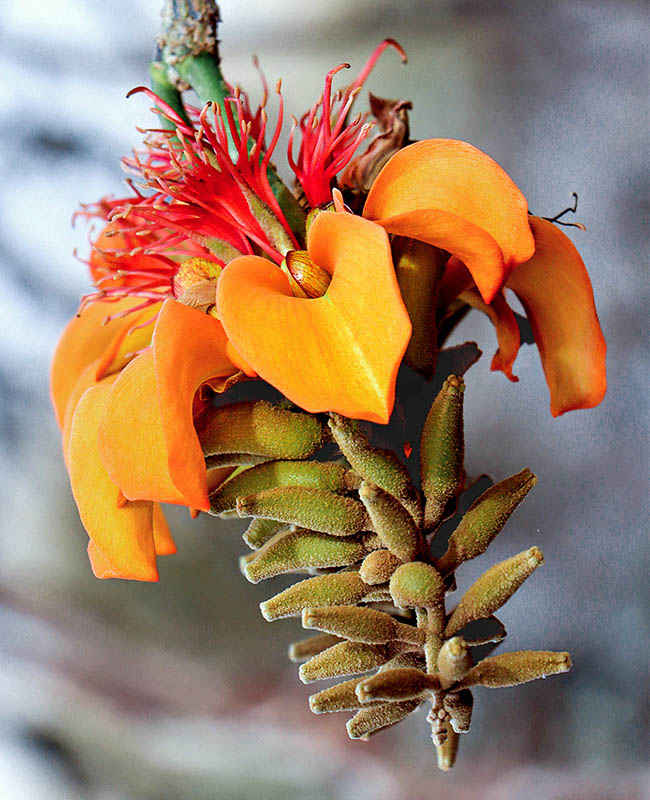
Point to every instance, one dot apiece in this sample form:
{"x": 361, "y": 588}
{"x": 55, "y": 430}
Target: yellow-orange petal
{"x": 123, "y": 534}
{"x": 556, "y": 292}
{"x": 474, "y": 209}
{"x": 86, "y": 379}
{"x": 339, "y": 352}
{"x": 84, "y": 340}
{"x": 189, "y": 348}
{"x": 506, "y": 327}
{"x": 130, "y": 437}
{"x": 162, "y": 537}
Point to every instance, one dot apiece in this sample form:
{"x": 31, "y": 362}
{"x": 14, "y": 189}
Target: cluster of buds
{"x": 363, "y": 529}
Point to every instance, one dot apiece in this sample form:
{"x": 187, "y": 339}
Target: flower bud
{"x": 494, "y": 588}
{"x": 459, "y": 707}
{"x": 417, "y": 585}
{"x": 340, "y": 588}
{"x": 260, "y": 531}
{"x": 346, "y": 658}
{"x": 391, "y": 521}
{"x": 378, "y": 566}
{"x": 262, "y": 429}
{"x": 453, "y": 660}
{"x": 396, "y": 684}
{"x": 442, "y": 450}
{"x": 361, "y": 625}
{"x": 341, "y": 697}
{"x": 375, "y": 465}
{"x": 372, "y": 720}
{"x": 314, "y": 509}
{"x": 306, "y": 648}
{"x": 511, "y": 669}
{"x": 484, "y": 519}
{"x": 295, "y": 550}
{"x": 314, "y": 474}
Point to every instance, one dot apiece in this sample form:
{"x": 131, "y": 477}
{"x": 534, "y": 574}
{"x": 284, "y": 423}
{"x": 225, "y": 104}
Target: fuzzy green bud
{"x": 392, "y": 522}
{"x": 313, "y": 474}
{"x": 396, "y": 684}
{"x": 494, "y": 588}
{"x": 453, "y": 661}
{"x": 372, "y": 720}
{"x": 484, "y": 519}
{"x": 378, "y": 566}
{"x": 375, "y": 465}
{"x": 260, "y": 531}
{"x": 361, "y": 625}
{"x": 314, "y": 509}
{"x": 346, "y": 658}
{"x": 417, "y": 585}
{"x": 442, "y": 450}
{"x": 511, "y": 669}
{"x": 306, "y": 648}
{"x": 337, "y": 589}
{"x": 262, "y": 429}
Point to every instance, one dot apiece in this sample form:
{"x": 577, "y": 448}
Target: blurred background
{"x": 180, "y": 690}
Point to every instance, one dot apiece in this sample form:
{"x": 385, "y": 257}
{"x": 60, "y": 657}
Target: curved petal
{"x": 506, "y": 327}
{"x": 339, "y": 352}
{"x": 189, "y": 348}
{"x": 86, "y": 379}
{"x": 131, "y": 440}
{"x": 556, "y": 292}
{"x": 473, "y": 198}
{"x": 122, "y": 532}
{"x": 162, "y": 537}
{"x": 84, "y": 340}
{"x": 130, "y": 340}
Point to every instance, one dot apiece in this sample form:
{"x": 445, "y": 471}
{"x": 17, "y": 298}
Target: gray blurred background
{"x": 119, "y": 691}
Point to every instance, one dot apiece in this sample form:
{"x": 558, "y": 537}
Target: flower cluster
{"x": 214, "y": 273}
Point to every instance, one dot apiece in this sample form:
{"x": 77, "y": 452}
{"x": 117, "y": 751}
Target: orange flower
{"x": 127, "y": 426}
{"x": 451, "y": 195}
{"x": 339, "y": 352}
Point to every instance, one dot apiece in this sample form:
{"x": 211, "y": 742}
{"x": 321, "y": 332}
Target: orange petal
{"x": 131, "y": 339}
{"x": 339, "y": 352}
{"x": 507, "y": 330}
{"x": 453, "y": 196}
{"x": 86, "y": 379}
{"x": 189, "y": 348}
{"x": 130, "y": 436}
{"x": 84, "y": 340}
{"x": 162, "y": 537}
{"x": 123, "y": 534}
{"x": 556, "y": 292}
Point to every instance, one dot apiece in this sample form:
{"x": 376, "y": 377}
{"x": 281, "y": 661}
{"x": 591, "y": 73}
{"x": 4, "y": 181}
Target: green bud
{"x": 378, "y": 566}
{"x": 494, "y": 588}
{"x": 262, "y": 429}
{"x": 396, "y": 684}
{"x": 372, "y": 720}
{"x": 442, "y": 450}
{"x": 260, "y": 531}
{"x": 511, "y": 669}
{"x": 361, "y": 625}
{"x": 453, "y": 661}
{"x": 337, "y": 589}
{"x": 306, "y": 648}
{"x": 314, "y": 474}
{"x": 346, "y": 658}
{"x": 484, "y": 519}
{"x": 294, "y": 550}
{"x": 419, "y": 267}
{"x": 314, "y": 509}
{"x": 417, "y": 585}
{"x": 392, "y": 522}
{"x": 341, "y": 697}
{"x": 375, "y": 465}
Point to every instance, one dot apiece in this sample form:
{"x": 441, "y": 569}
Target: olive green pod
{"x": 511, "y": 669}
{"x": 391, "y": 521}
{"x": 337, "y": 589}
